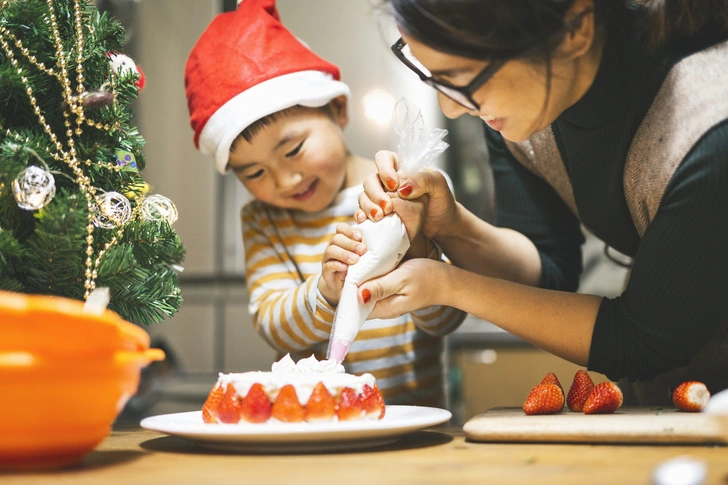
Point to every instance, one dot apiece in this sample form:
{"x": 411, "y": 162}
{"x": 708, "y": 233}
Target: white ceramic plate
{"x": 299, "y": 437}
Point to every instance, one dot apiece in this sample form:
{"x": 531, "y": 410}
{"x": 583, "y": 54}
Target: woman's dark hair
{"x": 505, "y": 29}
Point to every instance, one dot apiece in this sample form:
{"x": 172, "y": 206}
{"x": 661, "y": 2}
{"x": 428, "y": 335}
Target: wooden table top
{"x": 133, "y": 456}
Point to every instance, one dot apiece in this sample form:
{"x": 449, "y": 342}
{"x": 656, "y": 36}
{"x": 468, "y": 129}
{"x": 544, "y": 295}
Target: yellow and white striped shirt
{"x": 283, "y": 251}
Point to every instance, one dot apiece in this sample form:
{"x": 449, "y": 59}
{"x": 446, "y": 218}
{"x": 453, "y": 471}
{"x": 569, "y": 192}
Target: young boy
{"x": 269, "y": 109}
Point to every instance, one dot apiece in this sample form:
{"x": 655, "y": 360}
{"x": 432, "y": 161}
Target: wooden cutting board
{"x": 627, "y": 425}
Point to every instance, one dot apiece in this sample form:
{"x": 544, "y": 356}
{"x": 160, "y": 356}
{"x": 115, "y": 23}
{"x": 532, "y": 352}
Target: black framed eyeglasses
{"x": 463, "y": 95}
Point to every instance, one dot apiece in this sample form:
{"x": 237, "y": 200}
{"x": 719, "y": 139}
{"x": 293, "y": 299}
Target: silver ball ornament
{"x": 34, "y": 188}
{"x": 157, "y": 207}
{"x": 114, "y": 210}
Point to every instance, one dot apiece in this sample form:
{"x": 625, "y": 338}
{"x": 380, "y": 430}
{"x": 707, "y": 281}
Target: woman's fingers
{"x": 374, "y": 202}
{"x": 386, "y": 163}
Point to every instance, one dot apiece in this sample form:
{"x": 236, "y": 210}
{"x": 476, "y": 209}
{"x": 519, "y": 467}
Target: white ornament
{"x": 114, "y": 210}
{"x": 158, "y": 208}
{"x": 34, "y": 188}
{"x": 121, "y": 63}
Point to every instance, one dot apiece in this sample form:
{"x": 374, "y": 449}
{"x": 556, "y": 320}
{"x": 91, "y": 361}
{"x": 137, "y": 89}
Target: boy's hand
{"x": 343, "y": 250}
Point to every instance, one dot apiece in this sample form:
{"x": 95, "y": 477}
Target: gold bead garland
{"x": 76, "y": 108}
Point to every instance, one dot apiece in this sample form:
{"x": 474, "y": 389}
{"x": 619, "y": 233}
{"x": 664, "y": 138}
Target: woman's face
{"x": 517, "y": 100}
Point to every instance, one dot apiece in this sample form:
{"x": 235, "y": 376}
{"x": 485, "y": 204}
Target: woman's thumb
{"x": 375, "y": 289}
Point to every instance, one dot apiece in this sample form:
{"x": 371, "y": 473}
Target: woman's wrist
{"x": 453, "y": 228}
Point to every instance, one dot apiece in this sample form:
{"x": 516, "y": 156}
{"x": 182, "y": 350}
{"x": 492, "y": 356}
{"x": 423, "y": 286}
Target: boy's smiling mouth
{"x": 307, "y": 192}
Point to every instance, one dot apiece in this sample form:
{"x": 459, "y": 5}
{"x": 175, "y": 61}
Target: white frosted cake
{"x": 309, "y": 390}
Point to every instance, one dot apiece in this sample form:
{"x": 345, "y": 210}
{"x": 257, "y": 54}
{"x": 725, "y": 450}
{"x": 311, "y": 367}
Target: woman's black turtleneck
{"x": 678, "y": 289}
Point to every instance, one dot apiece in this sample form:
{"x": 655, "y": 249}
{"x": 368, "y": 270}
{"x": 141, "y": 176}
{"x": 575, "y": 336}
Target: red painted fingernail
{"x": 366, "y": 296}
{"x": 391, "y": 184}
{"x": 383, "y": 204}
{"x": 373, "y": 212}
{"x": 405, "y": 190}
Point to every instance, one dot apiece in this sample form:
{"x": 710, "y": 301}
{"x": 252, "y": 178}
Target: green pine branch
{"x": 44, "y": 251}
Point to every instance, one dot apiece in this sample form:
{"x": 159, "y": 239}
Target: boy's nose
{"x": 288, "y": 179}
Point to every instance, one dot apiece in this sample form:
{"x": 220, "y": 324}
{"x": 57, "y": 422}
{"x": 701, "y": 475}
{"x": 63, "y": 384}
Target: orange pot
{"x": 53, "y": 412}
{"x": 64, "y": 377}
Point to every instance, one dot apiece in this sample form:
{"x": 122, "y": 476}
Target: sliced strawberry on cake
{"x": 349, "y": 405}
{"x": 256, "y": 407}
{"x": 229, "y": 408}
{"x": 286, "y": 407}
{"x": 372, "y": 402}
{"x": 209, "y": 409}
{"x": 321, "y": 405}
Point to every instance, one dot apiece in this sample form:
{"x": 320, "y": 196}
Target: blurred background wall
{"x": 213, "y": 331}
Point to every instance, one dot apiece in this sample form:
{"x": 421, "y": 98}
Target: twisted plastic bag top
{"x": 417, "y": 147}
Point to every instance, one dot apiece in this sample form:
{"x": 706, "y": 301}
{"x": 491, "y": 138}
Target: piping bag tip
{"x": 338, "y": 348}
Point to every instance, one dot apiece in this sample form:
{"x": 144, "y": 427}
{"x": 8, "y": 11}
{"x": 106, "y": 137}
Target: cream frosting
{"x": 303, "y": 376}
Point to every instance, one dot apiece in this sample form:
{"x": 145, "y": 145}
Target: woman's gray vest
{"x": 692, "y": 99}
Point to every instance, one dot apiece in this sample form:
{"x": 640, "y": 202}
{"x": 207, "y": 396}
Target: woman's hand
{"x": 386, "y": 191}
{"x": 343, "y": 250}
{"x": 414, "y": 284}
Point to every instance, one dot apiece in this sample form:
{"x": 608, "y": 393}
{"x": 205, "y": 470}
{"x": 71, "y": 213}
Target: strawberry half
{"x": 256, "y": 405}
{"x": 228, "y": 410}
{"x": 372, "y": 401}
{"x": 579, "y": 391}
{"x": 209, "y": 409}
{"x": 544, "y": 399}
{"x": 349, "y": 406}
{"x": 321, "y": 405}
{"x": 286, "y": 407}
{"x": 691, "y": 396}
{"x": 552, "y": 379}
{"x": 605, "y": 398}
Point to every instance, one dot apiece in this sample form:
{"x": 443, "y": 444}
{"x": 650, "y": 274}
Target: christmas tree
{"x": 75, "y": 212}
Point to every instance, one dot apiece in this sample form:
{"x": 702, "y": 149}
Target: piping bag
{"x": 386, "y": 240}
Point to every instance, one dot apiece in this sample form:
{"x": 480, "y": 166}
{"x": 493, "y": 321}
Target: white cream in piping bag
{"x": 386, "y": 243}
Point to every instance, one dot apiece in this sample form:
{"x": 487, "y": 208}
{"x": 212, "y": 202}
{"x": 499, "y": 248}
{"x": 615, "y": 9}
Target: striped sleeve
{"x": 437, "y": 320}
{"x": 289, "y": 314}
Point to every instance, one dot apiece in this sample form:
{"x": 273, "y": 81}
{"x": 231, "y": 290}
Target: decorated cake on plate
{"x": 309, "y": 390}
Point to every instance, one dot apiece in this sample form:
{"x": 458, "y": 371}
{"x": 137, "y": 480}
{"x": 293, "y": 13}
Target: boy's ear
{"x": 339, "y": 110}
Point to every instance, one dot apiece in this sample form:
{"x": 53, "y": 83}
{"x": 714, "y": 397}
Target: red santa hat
{"x": 245, "y": 66}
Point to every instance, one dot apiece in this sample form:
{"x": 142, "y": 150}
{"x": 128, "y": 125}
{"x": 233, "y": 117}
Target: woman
{"x": 599, "y": 114}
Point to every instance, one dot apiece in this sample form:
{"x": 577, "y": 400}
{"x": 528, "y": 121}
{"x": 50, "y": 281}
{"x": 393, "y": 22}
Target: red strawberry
{"x": 579, "y": 391}
{"x": 256, "y": 405}
{"x": 228, "y": 410}
{"x": 286, "y": 407}
{"x": 544, "y": 399}
{"x": 209, "y": 409}
{"x": 552, "y": 379}
{"x": 321, "y": 405}
{"x": 605, "y": 398}
{"x": 349, "y": 406}
{"x": 691, "y": 396}
{"x": 372, "y": 401}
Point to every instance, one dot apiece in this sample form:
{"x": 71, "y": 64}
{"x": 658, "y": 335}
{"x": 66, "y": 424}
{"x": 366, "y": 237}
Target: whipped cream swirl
{"x": 306, "y": 366}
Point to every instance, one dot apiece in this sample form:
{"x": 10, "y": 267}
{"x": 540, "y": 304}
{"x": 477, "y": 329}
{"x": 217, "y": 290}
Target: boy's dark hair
{"x": 256, "y": 127}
